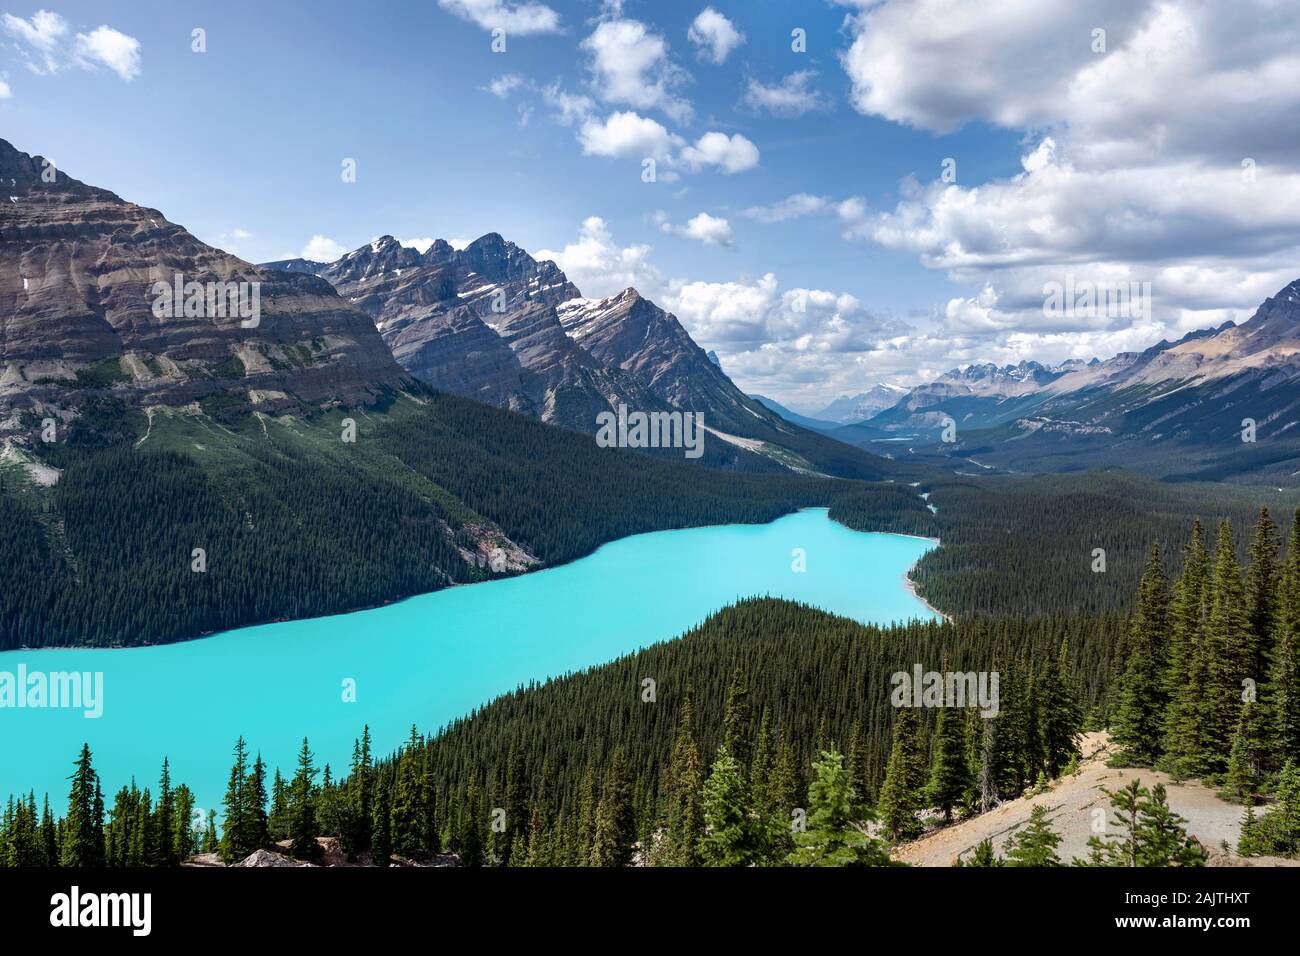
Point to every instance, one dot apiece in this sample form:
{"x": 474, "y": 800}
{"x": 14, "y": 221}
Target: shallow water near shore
{"x": 430, "y": 658}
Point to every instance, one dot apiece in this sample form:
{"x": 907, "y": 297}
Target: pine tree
{"x": 1185, "y": 672}
{"x": 210, "y": 842}
{"x": 1261, "y": 596}
{"x": 1162, "y": 838}
{"x": 1246, "y": 758}
{"x": 1284, "y": 666}
{"x": 1137, "y": 722}
{"x": 949, "y": 773}
{"x": 1126, "y": 804}
{"x": 183, "y": 841}
{"x": 407, "y": 834}
{"x": 615, "y": 827}
{"x": 735, "y": 721}
{"x": 1036, "y": 843}
{"x": 904, "y": 778}
{"x": 302, "y": 812}
{"x": 83, "y": 844}
{"x": 164, "y": 829}
{"x": 255, "y": 813}
{"x": 685, "y": 816}
{"x": 984, "y": 855}
{"x": 729, "y": 827}
{"x": 1059, "y": 717}
{"x": 1226, "y": 647}
{"x": 236, "y": 842}
{"x": 381, "y": 834}
{"x": 834, "y": 835}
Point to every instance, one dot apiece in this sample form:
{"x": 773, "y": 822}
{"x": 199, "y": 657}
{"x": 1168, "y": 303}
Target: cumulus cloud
{"x": 42, "y": 37}
{"x": 710, "y": 230}
{"x": 790, "y": 97}
{"x": 107, "y": 47}
{"x": 1163, "y": 152}
{"x": 730, "y": 154}
{"x": 518, "y": 19}
{"x": 625, "y": 134}
{"x": 5, "y": 92}
{"x": 630, "y": 64}
{"x": 322, "y": 249}
{"x": 45, "y": 48}
{"x": 715, "y": 35}
{"x": 420, "y": 245}
{"x": 600, "y": 267}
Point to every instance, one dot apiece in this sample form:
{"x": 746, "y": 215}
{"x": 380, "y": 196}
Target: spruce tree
{"x": 685, "y": 816}
{"x": 835, "y": 836}
{"x": 1162, "y": 839}
{"x": 735, "y": 721}
{"x": 1226, "y": 648}
{"x": 83, "y": 844}
{"x": 1035, "y": 844}
{"x": 381, "y": 833}
{"x": 1136, "y": 727}
{"x": 904, "y": 778}
{"x": 235, "y": 835}
{"x": 1261, "y": 595}
{"x": 729, "y": 826}
{"x": 1184, "y": 678}
{"x": 949, "y": 773}
{"x": 302, "y": 812}
{"x": 615, "y": 827}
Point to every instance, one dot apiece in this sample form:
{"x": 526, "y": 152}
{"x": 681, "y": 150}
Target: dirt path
{"x": 1073, "y": 803}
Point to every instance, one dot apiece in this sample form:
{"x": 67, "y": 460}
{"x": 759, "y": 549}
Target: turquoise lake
{"x": 431, "y": 658}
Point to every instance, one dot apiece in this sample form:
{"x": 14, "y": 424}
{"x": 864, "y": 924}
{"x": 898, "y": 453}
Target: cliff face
{"x": 80, "y": 308}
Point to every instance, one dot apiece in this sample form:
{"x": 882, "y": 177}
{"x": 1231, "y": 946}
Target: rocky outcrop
{"x": 81, "y": 308}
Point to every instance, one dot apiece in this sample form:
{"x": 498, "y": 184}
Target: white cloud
{"x": 43, "y": 33}
{"x": 567, "y": 108}
{"x": 459, "y": 243}
{"x": 322, "y": 249}
{"x": 625, "y": 134}
{"x": 241, "y": 234}
{"x": 505, "y": 84}
{"x": 630, "y": 64}
{"x": 715, "y": 35}
{"x": 795, "y": 206}
{"x": 107, "y": 47}
{"x": 790, "y": 97}
{"x": 779, "y": 341}
{"x": 517, "y": 19}
{"x": 420, "y": 245}
{"x": 44, "y": 47}
{"x": 1133, "y": 170}
{"x": 731, "y": 154}
{"x": 600, "y": 267}
{"x": 5, "y": 92}
{"x": 710, "y": 230}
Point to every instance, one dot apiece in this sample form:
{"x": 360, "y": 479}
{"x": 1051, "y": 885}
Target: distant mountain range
{"x": 1183, "y": 409}
{"x": 856, "y": 408}
{"x": 804, "y": 421}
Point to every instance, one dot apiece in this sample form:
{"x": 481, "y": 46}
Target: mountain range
{"x": 492, "y": 323}
{"x": 1218, "y": 403}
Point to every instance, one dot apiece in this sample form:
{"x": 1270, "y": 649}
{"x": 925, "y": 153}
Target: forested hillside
{"x": 295, "y": 521}
{"x": 1025, "y": 546}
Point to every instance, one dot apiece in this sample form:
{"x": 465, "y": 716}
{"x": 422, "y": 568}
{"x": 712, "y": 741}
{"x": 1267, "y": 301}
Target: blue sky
{"x": 243, "y": 144}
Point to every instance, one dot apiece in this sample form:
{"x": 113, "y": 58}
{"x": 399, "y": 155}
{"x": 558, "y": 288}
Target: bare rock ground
{"x": 1073, "y": 803}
